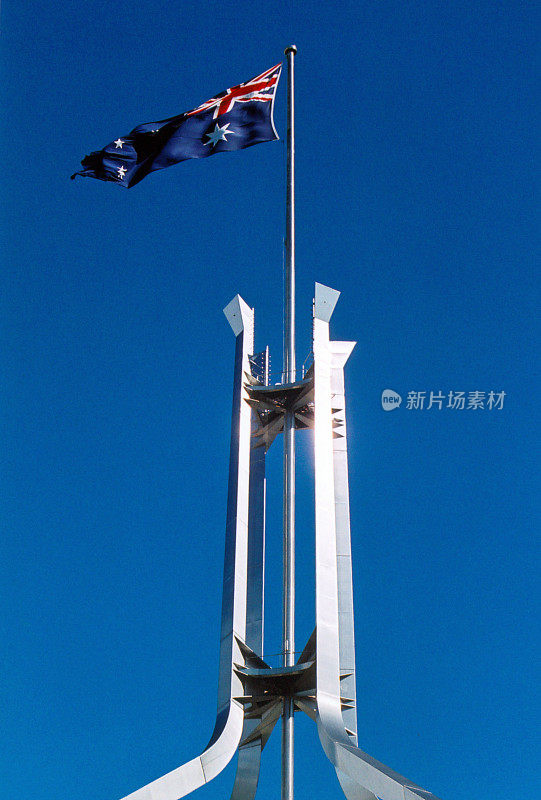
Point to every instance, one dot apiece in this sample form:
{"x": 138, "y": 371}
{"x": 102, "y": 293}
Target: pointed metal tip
{"x": 238, "y": 314}
{"x": 290, "y": 49}
{"x": 325, "y": 301}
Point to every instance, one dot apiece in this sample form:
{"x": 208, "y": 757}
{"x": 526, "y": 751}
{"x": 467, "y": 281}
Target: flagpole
{"x": 288, "y": 596}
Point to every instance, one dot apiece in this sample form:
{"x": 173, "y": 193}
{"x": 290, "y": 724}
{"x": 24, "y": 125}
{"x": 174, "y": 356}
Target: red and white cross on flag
{"x": 261, "y": 89}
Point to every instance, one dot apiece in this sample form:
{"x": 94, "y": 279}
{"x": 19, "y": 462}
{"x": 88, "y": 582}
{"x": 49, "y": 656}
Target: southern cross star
{"x": 218, "y": 134}
{"x": 121, "y": 172}
{"x": 118, "y": 143}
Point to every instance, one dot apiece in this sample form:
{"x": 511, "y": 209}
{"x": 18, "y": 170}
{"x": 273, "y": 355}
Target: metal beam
{"x": 230, "y": 715}
{"x": 361, "y": 776}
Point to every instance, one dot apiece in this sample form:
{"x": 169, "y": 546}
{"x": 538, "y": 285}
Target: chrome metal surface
{"x": 240, "y": 616}
{"x": 271, "y": 404}
{"x": 361, "y": 776}
{"x": 252, "y": 696}
{"x": 249, "y": 755}
{"x": 288, "y": 627}
{"x": 289, "y": 289}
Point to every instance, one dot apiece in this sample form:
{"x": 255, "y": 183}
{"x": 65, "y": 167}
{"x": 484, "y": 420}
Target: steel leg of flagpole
{"x": 289, "y": 438}
{"x": 361, "y": 776}
{"x": 249, "y": 757}
{"x": 236, "y": 621}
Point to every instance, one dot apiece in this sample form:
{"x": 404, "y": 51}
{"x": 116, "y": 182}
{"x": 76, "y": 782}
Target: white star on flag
{"x": 218, "y": 134}
{"x": 121, "y": 172}
{"x": 118, "y": 143}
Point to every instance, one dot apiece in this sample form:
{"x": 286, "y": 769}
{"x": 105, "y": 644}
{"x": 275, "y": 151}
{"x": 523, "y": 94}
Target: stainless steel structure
{"x": 288, "y": 583}
{"x": 251, "y": 694}
{"x": 242, "y": 611}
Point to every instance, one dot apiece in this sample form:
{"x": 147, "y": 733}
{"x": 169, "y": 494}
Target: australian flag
{"x": 234, "y": 119}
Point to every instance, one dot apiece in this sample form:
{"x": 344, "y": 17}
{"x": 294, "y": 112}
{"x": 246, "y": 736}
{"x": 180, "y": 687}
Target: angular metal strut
{"x": 322, "y": 682}
{"x": 242, "y": 598}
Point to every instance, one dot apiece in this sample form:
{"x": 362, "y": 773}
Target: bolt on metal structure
{"x": 253, "y": 696}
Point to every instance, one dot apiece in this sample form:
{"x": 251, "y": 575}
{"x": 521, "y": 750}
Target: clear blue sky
{"x": 417, "y": 192}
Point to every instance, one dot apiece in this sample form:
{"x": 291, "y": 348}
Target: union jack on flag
{"x": 232, "y": 120}
{"x": 260, "y": 89}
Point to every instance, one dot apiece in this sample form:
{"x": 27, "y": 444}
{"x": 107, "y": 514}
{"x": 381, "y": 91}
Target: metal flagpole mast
{"x": 252, "y": 695}
{"x": 288, "y": 597}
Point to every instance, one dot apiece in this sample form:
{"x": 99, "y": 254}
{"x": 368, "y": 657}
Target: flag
{"x": 237, "y": 118}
